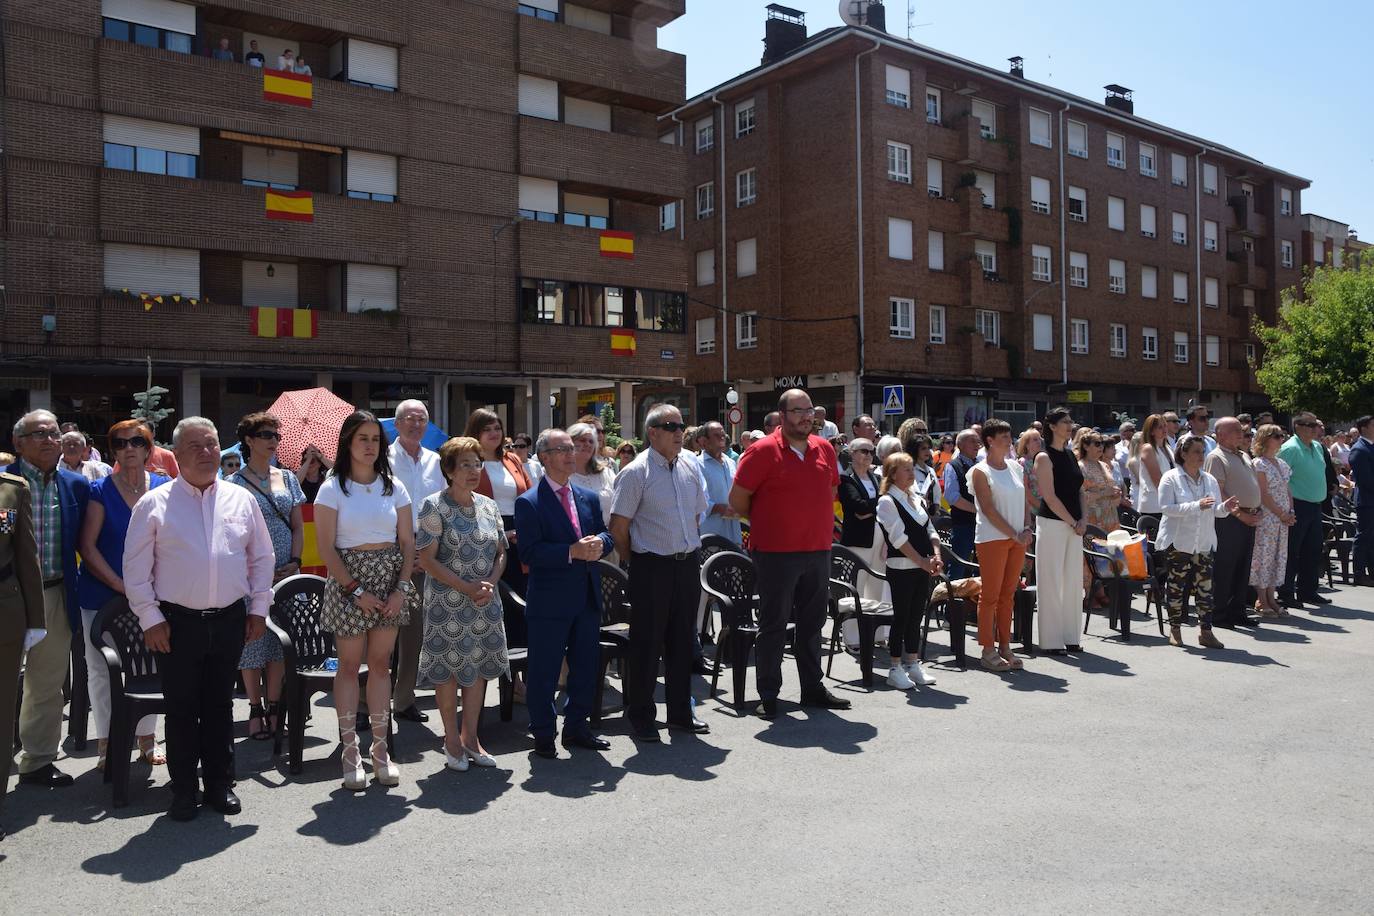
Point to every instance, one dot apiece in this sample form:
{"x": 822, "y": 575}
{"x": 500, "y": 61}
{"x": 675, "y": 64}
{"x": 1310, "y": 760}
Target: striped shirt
{"x": 47, "y": 518}
{"x": 662, "y": 501}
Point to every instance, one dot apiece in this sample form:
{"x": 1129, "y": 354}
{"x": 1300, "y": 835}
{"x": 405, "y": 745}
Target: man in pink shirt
{"x": 198, "y": 568}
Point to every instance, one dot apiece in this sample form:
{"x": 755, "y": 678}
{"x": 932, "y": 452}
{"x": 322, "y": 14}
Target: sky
{"x": 1283, "y": 83}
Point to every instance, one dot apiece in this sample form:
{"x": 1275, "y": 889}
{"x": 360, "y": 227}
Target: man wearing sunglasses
{"x": 1305, "y": 455}
{"x": 785, "y": 485}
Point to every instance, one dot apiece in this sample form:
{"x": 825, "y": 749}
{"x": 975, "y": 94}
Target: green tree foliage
{"x": 1319, "y": 356}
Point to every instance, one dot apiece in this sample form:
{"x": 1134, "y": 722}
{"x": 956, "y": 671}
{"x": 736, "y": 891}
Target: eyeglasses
{"x": 807, "y": 412}
{"x": 1307, "y": 424}
{"x": 268, "y": 435}
{"x": 469, "y": 465}
{"x": 861, "y": 451}
{"x": 51, "y": 435}
{"x": 413, "y": 418}
{"x": 118, "y": 442}
{"x": 559, "y": 450}
{"x": 671, "y": 427}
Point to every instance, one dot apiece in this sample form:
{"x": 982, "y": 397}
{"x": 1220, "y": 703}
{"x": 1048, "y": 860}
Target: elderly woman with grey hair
{"x": 590, "y": 470}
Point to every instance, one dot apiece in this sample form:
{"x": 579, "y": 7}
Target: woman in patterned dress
{"x": 1101, "y": 496}
{"x": 1271, "y": 538}
{"x": 462, "y": 549}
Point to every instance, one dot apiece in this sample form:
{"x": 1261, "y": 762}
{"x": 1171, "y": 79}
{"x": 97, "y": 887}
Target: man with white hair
{"x": 960, "y": 498}
{"x": 74, "y": 452}
{"x": 418, "y": 469}
{"x": 823, "y": 427}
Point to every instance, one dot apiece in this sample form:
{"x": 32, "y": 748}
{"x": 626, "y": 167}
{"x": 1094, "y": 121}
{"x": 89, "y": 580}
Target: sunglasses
{"x": 861, "y": 451}
{"x": 268, "y": 435}
{"x": 1305, "y": 424}
{"x": 671, "y": 427}
{"x": 117, "y": 442}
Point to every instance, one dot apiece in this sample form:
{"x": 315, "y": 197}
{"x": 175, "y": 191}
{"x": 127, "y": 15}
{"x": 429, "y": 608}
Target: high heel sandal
{"x": 383, "y": 770}
{"x": 260, "y": 714}
{"x": 272, "y": 718}
{"x": 147, "y": 749}
{"x": 351, "y": 758}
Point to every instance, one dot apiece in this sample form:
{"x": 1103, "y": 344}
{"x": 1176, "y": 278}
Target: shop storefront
{"x": 944, "y": 408}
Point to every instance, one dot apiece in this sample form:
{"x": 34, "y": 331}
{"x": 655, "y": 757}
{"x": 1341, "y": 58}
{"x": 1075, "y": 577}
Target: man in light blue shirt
{"x": 719, "y": 471}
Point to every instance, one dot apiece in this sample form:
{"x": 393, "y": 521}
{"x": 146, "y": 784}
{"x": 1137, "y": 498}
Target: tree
{"x": 148, "y": 400}
{"x": 1319, "y": 356}
{"x": 611, "y": 425}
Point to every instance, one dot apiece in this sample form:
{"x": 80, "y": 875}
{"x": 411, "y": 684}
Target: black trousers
{"x": 910, "y": 594}
{"x": 664, "y": 595}
{"x": 1305, "y": 563}
{"x": 1231, "y": 569}
{"x": 788, "y": 583}
{"x": 198, "y": 681}
{"x": 517, "y": 632}
{"x": 1364, "y": 541}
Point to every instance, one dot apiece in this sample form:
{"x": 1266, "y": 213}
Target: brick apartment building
{"x": 1328, "y": 242}
{"x": 990, "y": 243}
{"x": 462, "y": 161}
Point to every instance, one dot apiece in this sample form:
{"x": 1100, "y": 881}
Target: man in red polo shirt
{"x": 785, "y": 485}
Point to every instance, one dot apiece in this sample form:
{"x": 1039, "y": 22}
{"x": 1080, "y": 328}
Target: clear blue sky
{"x": 1285, "y": 83}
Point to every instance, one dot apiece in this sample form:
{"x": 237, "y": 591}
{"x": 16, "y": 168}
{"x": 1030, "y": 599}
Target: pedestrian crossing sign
{"x": 894, "y": 400}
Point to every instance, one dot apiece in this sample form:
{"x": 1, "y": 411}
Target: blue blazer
{"x": 1361, "y": 460}
{"x": 558, "y": 588}
{"x": 73, "y": 493}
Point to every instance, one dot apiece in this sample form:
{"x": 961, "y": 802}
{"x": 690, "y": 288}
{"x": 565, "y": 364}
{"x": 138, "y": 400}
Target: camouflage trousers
{"x": 1188, "y": 572}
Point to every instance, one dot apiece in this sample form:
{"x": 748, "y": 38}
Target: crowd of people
{"x": 444, "y": 561}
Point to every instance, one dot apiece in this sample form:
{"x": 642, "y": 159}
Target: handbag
{"x": 267, "y": 496}
{"x": 1124, "y": 556}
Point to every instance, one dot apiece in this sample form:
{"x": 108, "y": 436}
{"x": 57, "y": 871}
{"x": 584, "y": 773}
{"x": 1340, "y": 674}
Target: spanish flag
{"x": 287, "y": 88}
{"x": 617, "y": 245}
{"x": 296, "y": 206}
{"x": 623, "y": 342}
{"x": 272, "y": 322}
{"x": 310, "y": 550}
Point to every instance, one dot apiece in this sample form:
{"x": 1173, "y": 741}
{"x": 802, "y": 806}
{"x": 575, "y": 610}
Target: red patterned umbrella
{"x": 309, "y": 417}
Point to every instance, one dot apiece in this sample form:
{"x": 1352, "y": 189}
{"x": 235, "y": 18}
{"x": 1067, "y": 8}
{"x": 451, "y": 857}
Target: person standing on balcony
{"x": 254, "y": 57}
{"x": 222, "y": 52}
{"x": 287, "y": 61}
{"x": 302, "y": 67}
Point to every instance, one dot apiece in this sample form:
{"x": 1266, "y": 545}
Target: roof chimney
{"x": 783, "y": 32}
{"x": 1018, "y": 67}
{"x": 876, "y": 17}
{"x": 1120, "y": 98}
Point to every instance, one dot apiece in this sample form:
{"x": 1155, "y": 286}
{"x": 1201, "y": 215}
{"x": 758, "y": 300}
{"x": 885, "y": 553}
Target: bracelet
{"x": 352, "y": 584}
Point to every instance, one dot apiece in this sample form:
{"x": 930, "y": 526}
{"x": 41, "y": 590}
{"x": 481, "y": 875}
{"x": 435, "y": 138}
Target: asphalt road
{"x": 1137, "y": 778}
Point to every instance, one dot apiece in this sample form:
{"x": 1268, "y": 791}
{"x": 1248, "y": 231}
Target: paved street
{"x": 1138, "y": 778}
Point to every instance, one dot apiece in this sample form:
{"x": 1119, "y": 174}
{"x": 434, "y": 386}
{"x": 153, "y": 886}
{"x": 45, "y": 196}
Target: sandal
{"x": 994, "y": 662}
{"x": 1014, "y": 663}
{"x": 102, "y": 746}
{"x": 147, "y": 749}
{"x": 273, "y": 718}
{"x": 259, "y": 715}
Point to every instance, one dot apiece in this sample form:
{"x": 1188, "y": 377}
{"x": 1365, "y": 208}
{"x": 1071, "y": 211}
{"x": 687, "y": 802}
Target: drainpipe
{"x": 1063, "y": 261}
{"x": 859, "y": 208}
{"x": 722, "y": 274}
{"x": 1197, "y": 239}
{"x": 680, "y": 135}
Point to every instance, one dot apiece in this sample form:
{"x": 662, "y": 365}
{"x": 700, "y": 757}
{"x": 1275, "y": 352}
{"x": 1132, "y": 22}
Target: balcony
{"x": 558, "y": 349}
{"x": 317, "y": 21}
{"x": 983, "y": 290}
{"x": 602, "y": 68}
{"x": 1247, "y": 222}
{"x": 984, "y": 360}
{"x": 555, "y": 251}
{"x": 975, "y": 150}
{"x": 654, "y": 12}
{"x": 590, "y": 161}
{"x": 979, "y": 220}
{"x": 1246, "y": 271}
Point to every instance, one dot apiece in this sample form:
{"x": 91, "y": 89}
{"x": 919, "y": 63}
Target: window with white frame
{"x": 706, "y": 335}
{"x": 706, "y": 200}
{"x": 898, "y": 86}
{"x": 1041, "y": 268}
{"x": 706, "y": 134}
{"x": 746, "y": 187}
{"x": 937, "y": 324}
{"x": 1209, "y": 178}
{"x": 1116, "y": 213}
{"x": 1078, "y": 204}
{"x": 1078, "y": 139}
{"x": 1247, "y": 189}
{"x": 1040, "y": 128}
{"x": 1247, "y": 298}
{"x": 1180, "y": 286}
{"x": 1149, "y": 343}
{"x": 1042, "y": 332}
{"x": 1178, "y": 169}
{"x": 1180, "y": 227}
{"x": 1078, "y": 335}
{"x": 986, "y": 253}
{"x": 935, "y": 177}
{"x": 986, "y": 183}
{"x": 706, "y": 267}
{"x": 898, "y": 162}
{"x": 1250, "y": 354}
{"x": 746, "y": 257}
{"x": 986, "y": 113}
{"x": 746, "y": 330}
{"x": 1180, "y": 346}
{"x": 1247, "y": 243}
{"x": 1116, "y": 275}
{"x": 989, "y": 324}
{"x": 1149, "y": 282}
{"x": 903, "y": 318}
{"x": 1147, "y": 221}
{"x": 934, "y": 105}
{"x": 1078, "y": 268}
{"x": 899, "y": 238}
{"x": 1040, "y": 194}
{"x": 1117, "y": 340}
{"x": 667, "y": 217}
{"x": 1211, "y": 291}
{"x": 745, "y": 118}
{"x": 1210, "y": 235}
{"x": 1285, "y": 202}
{"x": 935, "y": 250}
{"x": 1148, "y": 155}
{"x": 1286, "y": 253}
{"x": 1116, "y": 150}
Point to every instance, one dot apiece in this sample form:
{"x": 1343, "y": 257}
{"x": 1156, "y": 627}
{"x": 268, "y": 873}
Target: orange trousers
{"x": 999, "y": 565}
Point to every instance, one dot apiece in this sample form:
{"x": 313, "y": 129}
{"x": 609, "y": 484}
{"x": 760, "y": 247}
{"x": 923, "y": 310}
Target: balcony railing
{"x": 635, "y": 168}
{"x": 602, "y": 68}
{"x": 554, "y": 251}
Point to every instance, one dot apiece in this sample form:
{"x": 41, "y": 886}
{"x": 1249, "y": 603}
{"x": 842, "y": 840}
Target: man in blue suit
{"x": 1361, "y": 459}
{"x": 59, "y": 500}
{"x": 561, "y": 534}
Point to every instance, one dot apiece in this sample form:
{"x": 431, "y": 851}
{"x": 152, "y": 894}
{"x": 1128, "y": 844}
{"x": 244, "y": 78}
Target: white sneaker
{"x": 918, "y": 674}
{"x": 897, "y": 677}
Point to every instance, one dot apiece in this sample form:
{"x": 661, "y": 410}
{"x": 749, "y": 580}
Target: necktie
{"x": 565, "y": 494}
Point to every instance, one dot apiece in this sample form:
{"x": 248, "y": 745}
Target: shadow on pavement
{"x": 934, "y": 698}
{"x": 346, "y": 818}
{"x": 1091, "y": 663}
{"x": 1028, "y": 680}
{"x": 683, "y": 755}
{"x": 160, "y": 851}
{"x": 1340, "y": 613}
{"x": 821, "y": 728}
{"x": 575, "y": 774}
{"x": 462, "y": 793}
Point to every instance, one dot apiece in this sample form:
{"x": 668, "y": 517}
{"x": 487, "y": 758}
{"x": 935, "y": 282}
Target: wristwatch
{"x": 358, "y": 590}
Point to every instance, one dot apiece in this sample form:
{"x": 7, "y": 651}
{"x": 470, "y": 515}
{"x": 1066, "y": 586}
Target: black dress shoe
{"x": 645, "y": 731}
{"x": 693, "y": 725}
{"x": 1316, "y": 599}
{"x": 1291, "y": 603}
{"x": 1075, "y": 649}
{"x": 412, "y": 713}
{"x": 589, "y": 742}
{"x": 47, "y": 776}
{"x": 702, "y": 666}
{"x": 544, "y": 747}
{"x": 1245, "y": 620}
{"x": 223, "y": 800}
{"x": 823, "y": 698}
{"x": 1056, "y": 651}
{"x": 768, "y": 709}
{"x": 184, "y": 808}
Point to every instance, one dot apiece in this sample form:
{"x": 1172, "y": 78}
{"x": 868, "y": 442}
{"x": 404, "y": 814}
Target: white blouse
{"x": 1185, "y": 526}
{"x": 895, "y": 526}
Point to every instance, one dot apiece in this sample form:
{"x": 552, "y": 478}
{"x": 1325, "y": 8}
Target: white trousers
{"x": 1058, "y": 584}
{"x": 98, "y": 684}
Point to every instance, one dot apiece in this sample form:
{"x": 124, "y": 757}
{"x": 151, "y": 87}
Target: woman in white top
{"x": 1002, "y": 532}
{"x": 592, "y": 472}
{"x": 1155, "y": 461}
{"x": 913, "y": 559}
{"x": 1191, "y": 502}
{"x": 366, "y": 538}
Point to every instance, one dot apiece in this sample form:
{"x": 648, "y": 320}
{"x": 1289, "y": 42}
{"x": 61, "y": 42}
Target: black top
{"x": 962, "y": 466}
{"x": 855, "y": 501}
{"x": 1068, "y": 484}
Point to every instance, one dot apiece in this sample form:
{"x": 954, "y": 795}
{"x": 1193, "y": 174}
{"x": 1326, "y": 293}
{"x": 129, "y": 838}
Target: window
{"x": 1211, "y": 292}
{"x": 538, "y": 200}
{"x": 706, "y": 267}
{"x": 1042, "y": 332}
{"x": 1285, "y": 202}
{"x": 1247, "y": 243}
{"x": 1149, "y": 343}
{"x": 903, "y": 318}
{"x": 1116, "y": 214}
{"x": 899, "y": 238}
{"x": 667, "y": 217}
{"x": 706, "y": 335}
{"x": 937, "y": 324}
{"x": 371, "y": 176}
{"x": 987, "y": 184}
{"x": 537, "y": 98}
{"x": 135, "y": 145}
{"x": 593, "y": 305}
{"x": 1040, "y": 128}
{"x": 1147, "y": 160}
{"x": 1180, "y": 227}
{"x": 989, "y": 324}
{"x": 370, "y": 288}
{"x": 746, "y": 187}
{"x": 1078, "y": 335}
{"x": 1040, "y": 263}
{"x": 745, "y": 118}
{"x": 1286, "y": 253}
{"x": 1116, "y": 151}
{"x": 1116, "y": 275}
{"x": 1212, "y": 350}
{"x": 1180, "y": 286}
{"x": 1209, "y": 235}
{"x": 898, "y": 86}
{"x": 933, "y": 105}
{"x": 151, "y": 23}
{"x": 1117, "y": 340}
{"x": 986, "y": 253}
{"x": 1178, "y": 169}
{"x": 586, "y": 113}
{"x": 539, "y": 9}
{"x": 706, "y": 200}
{"x": 746, "y": 330}
{"x": 746, "y": 257}
{"x": 935, "y": 177}
{"x": 1247, "y": 298}
{"x": 1078, "y": 205}
{"x": 706, "y": 134}
{"x": 1040, "y": 194}
{"x": 156, "y": 271}
{"x": 1209, "y": 178}
{"x": 986, "y": 113}
{"x": 1147, "y": 221}
{"x": 1078, "y": 139}
{"x": 1247, "y": 189}
{"x": 1250, "y": 354}
{"x": 372, "y": 66}
{"x": 1180, "y": 346}
{"x": 1149, "y": 283}
{"x": 899, "y": 162}
{"x": 935, "y": 250}
{"x": 582, "y": 18}
{"x": 1078, "y": 269}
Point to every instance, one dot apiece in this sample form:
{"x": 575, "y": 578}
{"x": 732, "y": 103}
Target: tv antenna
{"x": 911, "y": 23}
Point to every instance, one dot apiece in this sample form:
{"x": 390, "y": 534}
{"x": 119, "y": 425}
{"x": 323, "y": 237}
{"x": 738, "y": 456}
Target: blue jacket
{"x": 1361, "y": 461}
{"x": 558, "y": 587}
{"x": 73, "y": 492}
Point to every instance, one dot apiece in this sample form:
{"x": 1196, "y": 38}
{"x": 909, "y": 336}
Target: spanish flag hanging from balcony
{"x": 287, "y": 88}
{"x": 272, "y": 322}
{"x": 296, "y": 206}
{"x": 617, "y": 245}
{"x": 622, "y": 342}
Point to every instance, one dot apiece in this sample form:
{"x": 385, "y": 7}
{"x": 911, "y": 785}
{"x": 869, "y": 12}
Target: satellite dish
{"x": 852, "y": 11}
